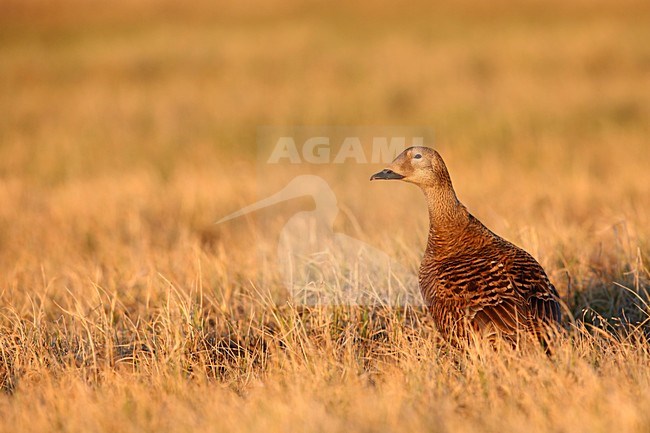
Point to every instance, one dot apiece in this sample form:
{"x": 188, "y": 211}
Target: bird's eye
{"x": 417, "y": 156}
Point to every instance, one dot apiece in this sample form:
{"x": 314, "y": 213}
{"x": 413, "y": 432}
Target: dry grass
{"x": 126, "y": 131}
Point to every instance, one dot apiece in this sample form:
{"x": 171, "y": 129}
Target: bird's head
{"x": 422, "y": 166}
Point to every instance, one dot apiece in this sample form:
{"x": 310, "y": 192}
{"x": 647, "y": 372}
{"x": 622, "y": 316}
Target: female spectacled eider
{"x": 471, "y": 279}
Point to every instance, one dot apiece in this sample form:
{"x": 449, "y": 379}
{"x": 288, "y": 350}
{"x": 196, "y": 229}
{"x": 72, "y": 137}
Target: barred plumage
{"x": 472, "y": 279}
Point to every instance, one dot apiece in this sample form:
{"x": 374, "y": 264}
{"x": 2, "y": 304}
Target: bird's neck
{"x": 448, "y": 218}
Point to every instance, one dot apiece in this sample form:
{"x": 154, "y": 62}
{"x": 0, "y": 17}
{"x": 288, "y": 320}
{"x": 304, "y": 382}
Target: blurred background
{"x": 129, "y": 127}
{"x": 91, "y": 87}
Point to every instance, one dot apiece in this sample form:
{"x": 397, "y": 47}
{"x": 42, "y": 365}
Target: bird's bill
{"x": 386, "y": 174}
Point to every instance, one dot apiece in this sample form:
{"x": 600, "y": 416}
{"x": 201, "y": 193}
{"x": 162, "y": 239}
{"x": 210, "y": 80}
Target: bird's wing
{"x": 505, "y": 316}
{"x": 532, "y": 284}
{"x": 505, "y": 292}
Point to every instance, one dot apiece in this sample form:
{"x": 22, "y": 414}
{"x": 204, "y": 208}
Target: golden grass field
{"x": 129, "y": 128}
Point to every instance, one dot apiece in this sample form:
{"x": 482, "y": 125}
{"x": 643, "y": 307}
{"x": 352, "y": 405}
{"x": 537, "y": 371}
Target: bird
{"x": 473, "y": 281}
{"x": 320, "y": 266}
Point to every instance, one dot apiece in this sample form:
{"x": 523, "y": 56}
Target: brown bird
{"x": 471, "y": 279}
